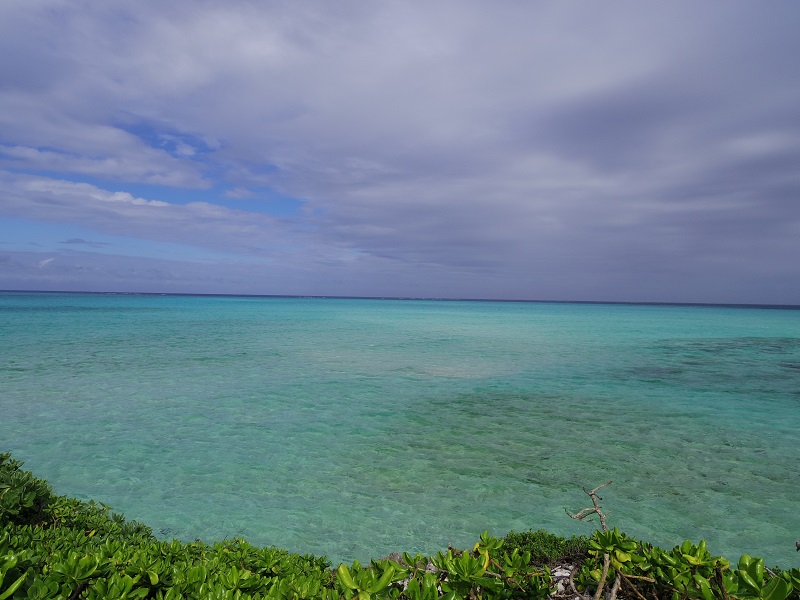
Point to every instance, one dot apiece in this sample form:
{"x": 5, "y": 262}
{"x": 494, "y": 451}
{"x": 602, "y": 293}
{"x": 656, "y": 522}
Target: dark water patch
{"x": 725, "y": 345}
{"x": 758, "y": 365}
{"x": 757, "y": 344}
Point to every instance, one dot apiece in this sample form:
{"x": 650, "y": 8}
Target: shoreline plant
{"x": 58, "y": 548}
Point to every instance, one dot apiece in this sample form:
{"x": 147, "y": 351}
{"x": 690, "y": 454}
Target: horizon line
{"x": 419, "y": 298}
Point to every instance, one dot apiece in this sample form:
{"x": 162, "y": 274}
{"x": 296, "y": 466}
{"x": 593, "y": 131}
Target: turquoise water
{"x": 353, "y": 428}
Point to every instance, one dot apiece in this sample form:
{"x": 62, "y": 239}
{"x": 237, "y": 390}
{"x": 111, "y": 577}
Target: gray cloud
{"x": 542, "y": 151}
{"x": 82, "y": 242}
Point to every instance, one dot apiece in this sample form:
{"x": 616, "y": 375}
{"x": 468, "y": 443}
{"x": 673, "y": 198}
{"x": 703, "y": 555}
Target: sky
{"x": 571, "y": 150}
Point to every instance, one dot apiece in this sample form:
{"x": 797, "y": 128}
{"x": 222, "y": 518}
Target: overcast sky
{"x": 621, "y": 150}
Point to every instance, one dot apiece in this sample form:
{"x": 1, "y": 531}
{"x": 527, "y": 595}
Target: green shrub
{"x": 94, "y": 518}
{"x": 58, "y": 548}
{"x": 23, "y": 498}
{"x": 547, "y": 548}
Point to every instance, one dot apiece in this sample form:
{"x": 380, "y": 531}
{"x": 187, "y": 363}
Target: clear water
{"x": 353, "y": 428}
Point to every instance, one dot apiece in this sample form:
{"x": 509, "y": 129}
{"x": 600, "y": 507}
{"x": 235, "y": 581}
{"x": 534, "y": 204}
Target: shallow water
{"x": 353, "y": 428}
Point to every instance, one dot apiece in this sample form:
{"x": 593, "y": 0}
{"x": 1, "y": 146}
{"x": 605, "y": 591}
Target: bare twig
{"x": 721, "y": 584}
{"x": 602, "y": 582}
{"x": 596, "y": 508}
{"x": 572, "y": 582}
{"x": 648, "y": 579}
{"x": 79, "y": 591}
{"x": 633, "y": 587}
{"x": 581, "y": 515}
{"x": 614, "y": 588}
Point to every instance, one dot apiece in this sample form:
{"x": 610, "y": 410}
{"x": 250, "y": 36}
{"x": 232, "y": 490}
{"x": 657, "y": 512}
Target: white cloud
{"x": 223, "y": 230}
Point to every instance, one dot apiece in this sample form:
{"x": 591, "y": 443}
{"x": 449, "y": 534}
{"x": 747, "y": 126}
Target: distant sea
{"x": 353, "y": 427}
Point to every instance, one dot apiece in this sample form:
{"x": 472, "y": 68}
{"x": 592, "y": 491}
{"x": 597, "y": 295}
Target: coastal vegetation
{"x": 55, "y": 547}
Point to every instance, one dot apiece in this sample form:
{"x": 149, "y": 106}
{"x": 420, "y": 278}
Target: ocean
{"x": 354, "y": 427}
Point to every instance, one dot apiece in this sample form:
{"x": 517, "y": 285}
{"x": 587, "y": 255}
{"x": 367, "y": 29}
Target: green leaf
{"x": 383, "y": 582}
{"x": 669, "y": 559}
{"x": 776, "y": 589}
{"x": 745, "y": 578}
{"x": 343, "y": 573}
{"x": 13, "y": 587}
{"x": 692, "y": 560}
{"x": 756, "y": 570}
{"x": 10, "y": 563}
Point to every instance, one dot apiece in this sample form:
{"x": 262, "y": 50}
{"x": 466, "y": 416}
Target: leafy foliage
{"x": 547, "y": 548}
{"x": 23, "y": 497}
{"x": 54, "y": 547}
{"x": 687, "y": 571}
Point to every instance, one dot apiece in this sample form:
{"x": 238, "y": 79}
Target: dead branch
{"x": 596, "y": 508}
{"x": 633, "y": 587}
{"x": 614, "y": 588}
{"x": 572, "y": 582}
{"x": 721, "y": 584}
{"x": 602, "y": 582}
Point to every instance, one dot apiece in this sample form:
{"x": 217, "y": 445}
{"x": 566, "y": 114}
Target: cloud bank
{"x": 539, "y": 151}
